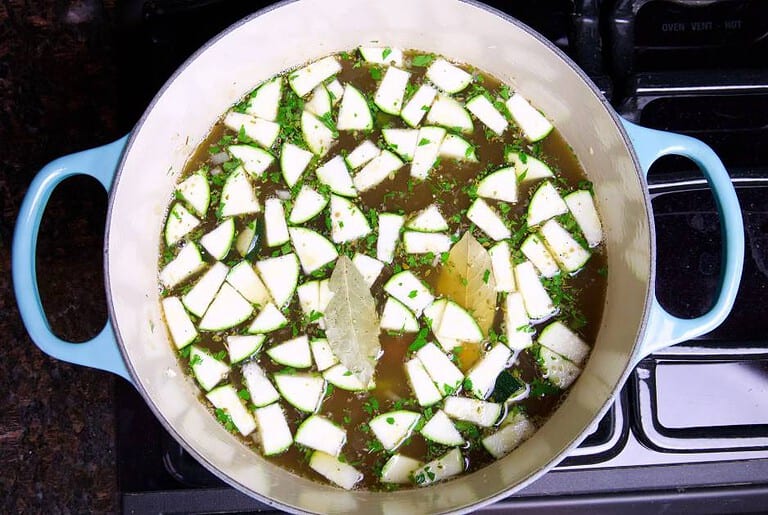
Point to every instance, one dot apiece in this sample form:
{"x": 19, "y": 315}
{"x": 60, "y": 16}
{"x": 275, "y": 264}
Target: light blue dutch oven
{"x": 139, "y": 172}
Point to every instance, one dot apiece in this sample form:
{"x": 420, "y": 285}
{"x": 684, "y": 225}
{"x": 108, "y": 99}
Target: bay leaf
{"x": 467, "y": 278}
{"x": 351, "y": 322}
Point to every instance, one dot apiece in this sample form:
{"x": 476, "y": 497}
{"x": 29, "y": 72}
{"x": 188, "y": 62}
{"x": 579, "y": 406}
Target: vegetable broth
{"x": 450, "y": 186}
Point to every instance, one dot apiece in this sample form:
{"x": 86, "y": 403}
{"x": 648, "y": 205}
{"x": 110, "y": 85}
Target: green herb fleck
{"x": 422, "y": 60}
{"x": 420, "y": 340}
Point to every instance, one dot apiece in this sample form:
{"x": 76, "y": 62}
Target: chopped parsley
{"x": 422, "y": 60}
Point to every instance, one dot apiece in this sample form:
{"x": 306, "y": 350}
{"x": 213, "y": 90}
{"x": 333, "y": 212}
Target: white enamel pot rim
{"x": 289, "y": 34}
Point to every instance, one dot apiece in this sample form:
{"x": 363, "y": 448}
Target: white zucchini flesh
{"x": 398, "y": 469}
{"x": 318, "y": 137}
{"x": 264, "y": 102}
{"x": 377, "y": 171}
{"x": 196, "y": 192}
{"x": 293, "y": 161}
{"x": 402, "y": 141}
{"x": 274, "y": 433}
{"x": 244, "y": 279}
{"x": 308, "y": 293}
{"x": 319, "y": 103}
{"x": 389, "y": 95}
{"x": 457, "y": 324}
{"x": 538, "y": 303}
{"x": 567, "y": 251}
{"x": 322, "y": 354}
{"x": 208, "y": 370}
{"x": 237, "y": 195}
{"x": 370, "y": 268}
{"x": 558, "y": 338}
{"x": 314, "y": 249}
{"x": 304, "y": 80}
{"x": 448, "y": 465}
{"x": 536, "y": 252}
{"x": 447, "y": 112}
{"x": 280, "y": 275}
{"x": 499, "y": 185}
{"x": 245, "y": 238}
{"x": 475, "y": 411}
{"x": 240, "y": 347}
{"x": 303, "y": 391}
{"x": 528, "y": 168}
{"x": 309, "y": 296}
{"x": 456, "y": 147}
{"x": 218, "y": 241}
{"x": 335, "y": 89}
{"x": 425, "y": 390}
{"x": 418, "y": 105}
{"x": 263, "y": 132}
{"x": 260, "y": 388}
{"x": 416, "y": 242}
{"x": 320, "y": 434}
{"x": 254, "y": 160}
{"x": 382, "y": 55}
{"x": 179, "y": 223}
{"x": 292, "y": 353}
{"x": 362, "y": 153}
{"x": 389, "y": 232}
{"x": 440, "y": 429}
{"x": 433, "y": 314}
{"x": 434, "y": 317}
{"x": 354, "y": 113}
{"x": 482, "y": 376}
{"x": 179, "y": 324}
{"x": 534, "y": 125}
{"x": 446, "y": 376}
{"x": 545, "y": 204}
{"x": 428, "y": 219}
{"x": 484, "y": 217}
{"x": 308, "y": 204}
{"x": 516, "y": 321}
{"x": 341, "y": 474}
{"x": 558, "y": 370}
{"x": 210, "y": 298}
{"x": 408, "y": 289}
{"x": 427, "y": 149}
{"x": 393, "y": 427}
{"x": 348, "y": 223}
{"x": 397, "y": 317}
{"x": 341, "y": 377}
{"x": 202, "y": 293}
{"x": 582, "y": 207}
{"x": 186, "y": 263}
{"x": 512, "y": 434}
{"x": 225, "y": 398}
{"x": 501, "y": 263}
{"x": 486, "y": 112}
{"x": 228, "y": 309}
{"x": 325, "y": 295}
{"x": 335, "y": 175}
{"x": 269, "y": 319}
{"x": 448, "y": 77}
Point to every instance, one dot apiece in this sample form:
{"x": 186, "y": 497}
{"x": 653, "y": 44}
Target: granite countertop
{"x": 58, "y": 94}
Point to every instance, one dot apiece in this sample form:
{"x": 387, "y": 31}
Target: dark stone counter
{"x": 58, "y": 94}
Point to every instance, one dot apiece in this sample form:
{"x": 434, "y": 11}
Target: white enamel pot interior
{"x": 288, "y": 35}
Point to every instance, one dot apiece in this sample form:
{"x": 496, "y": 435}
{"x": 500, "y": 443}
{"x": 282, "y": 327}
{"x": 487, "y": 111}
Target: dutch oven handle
{"x": 664, "y": 329}
{"x": 102, "y": 351}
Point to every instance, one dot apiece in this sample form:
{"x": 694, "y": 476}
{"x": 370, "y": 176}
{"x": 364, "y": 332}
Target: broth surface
{"x": 580, "y": 297}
